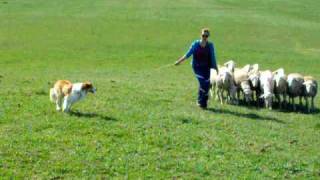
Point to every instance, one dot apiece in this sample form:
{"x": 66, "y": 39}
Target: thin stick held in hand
{"x": 165, "y": 66}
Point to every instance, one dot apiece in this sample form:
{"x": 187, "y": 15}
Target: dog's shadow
{"x": 252, "y": 116}
{"x": 91, "y": 115}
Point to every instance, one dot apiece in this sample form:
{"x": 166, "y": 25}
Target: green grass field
{"x": 143, "y": 122}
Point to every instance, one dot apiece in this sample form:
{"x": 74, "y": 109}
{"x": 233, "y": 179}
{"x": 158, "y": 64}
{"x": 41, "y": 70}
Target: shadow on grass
{"x": 92, "y": 115}
{"x": 246, "y": 115}
{"x": 184, "y": 120}
{"x": 300, "y": 109}
{"x": 276, "y": 107}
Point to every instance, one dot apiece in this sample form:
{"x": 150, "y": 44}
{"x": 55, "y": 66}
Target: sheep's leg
{"x": 228, "y": 96}
{"x": 233, "y": 97}
{"x": 238, "y": 94}
{"x": 307, "y": 104}
{"x": 211, "y": 93}
{"x": 218, "y": 97}
{"x": 278, "y": 100}
{"x": 258, "y": 99}
{"x": 217, "y": 93}
{"x": 266, "y": 104}
{"x": 293, "y": 104}
{"x": 300, "y": 101}
{"x": 312, "y": 104}
{"x": 221, "y": 96}
{"x": 284, "y": 100}
{"x": 212, "y": 88}
{"x": 243, "y": 96}
{"x": 252, "y": 96}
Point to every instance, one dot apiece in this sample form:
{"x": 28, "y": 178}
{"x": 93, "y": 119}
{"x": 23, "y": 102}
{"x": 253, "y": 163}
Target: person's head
{"x": 205, "y": 33}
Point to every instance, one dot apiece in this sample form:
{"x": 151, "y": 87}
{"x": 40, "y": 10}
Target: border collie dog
{"x": 65, "y": 94}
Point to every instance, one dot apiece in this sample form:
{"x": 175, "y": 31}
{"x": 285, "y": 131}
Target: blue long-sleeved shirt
{"x": 195, "y": 48}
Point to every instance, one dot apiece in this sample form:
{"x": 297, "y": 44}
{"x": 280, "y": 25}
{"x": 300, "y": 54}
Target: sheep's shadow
{"x": 299, "y": 109}
{"x": 92, "y": 115}
{"x": 287, "y": 108}
{"x": 252, "y": 116}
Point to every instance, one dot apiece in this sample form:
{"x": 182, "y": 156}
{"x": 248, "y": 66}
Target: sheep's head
{"x": 230, "y": 65}
{"x": 311, "y": 87}
{"x": 255, "y": 79}
{"x": 255, "y": 67}
{"x": 233, "y": 91}
{"x": 245, "y": 86}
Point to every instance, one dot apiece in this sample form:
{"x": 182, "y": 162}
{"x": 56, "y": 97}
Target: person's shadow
{"x": 92, "y": 115}
{"x": 252, "y": 116}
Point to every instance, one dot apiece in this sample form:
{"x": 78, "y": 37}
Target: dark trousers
{"x": 203, "y": 76}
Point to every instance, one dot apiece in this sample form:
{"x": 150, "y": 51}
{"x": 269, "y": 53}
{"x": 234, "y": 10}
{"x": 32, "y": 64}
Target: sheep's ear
{"x": 255, "y": 67}
{"x": 228, "y": 62}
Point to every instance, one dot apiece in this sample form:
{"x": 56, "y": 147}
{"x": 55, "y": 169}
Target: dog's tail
{"x": 53, "y": 95}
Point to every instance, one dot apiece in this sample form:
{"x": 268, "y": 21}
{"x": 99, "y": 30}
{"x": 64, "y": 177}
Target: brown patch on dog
{"x": 63, "y": 87}
{"x": 87, "y": 86}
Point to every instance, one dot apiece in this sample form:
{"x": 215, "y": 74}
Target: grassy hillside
{"x": 143, "y": 122}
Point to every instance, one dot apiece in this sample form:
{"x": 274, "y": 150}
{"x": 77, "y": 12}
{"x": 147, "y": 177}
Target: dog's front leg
{"x": 59, "y": 103}
{"x": 66, "y": 104}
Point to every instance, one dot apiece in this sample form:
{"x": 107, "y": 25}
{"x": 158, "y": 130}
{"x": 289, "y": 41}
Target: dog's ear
{"x": 86, "y": 85}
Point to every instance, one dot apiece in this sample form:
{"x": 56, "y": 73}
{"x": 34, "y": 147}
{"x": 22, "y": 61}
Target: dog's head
{"x": 88, "y": 87}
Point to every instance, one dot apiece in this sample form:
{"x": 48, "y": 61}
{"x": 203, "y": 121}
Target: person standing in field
{"x": 203, "y": 60}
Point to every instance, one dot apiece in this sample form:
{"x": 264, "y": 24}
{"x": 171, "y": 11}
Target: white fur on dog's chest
{"x": 77, "y": 93}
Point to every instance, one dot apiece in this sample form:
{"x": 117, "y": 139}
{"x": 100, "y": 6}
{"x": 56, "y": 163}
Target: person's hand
{"x": 177, "y": 63}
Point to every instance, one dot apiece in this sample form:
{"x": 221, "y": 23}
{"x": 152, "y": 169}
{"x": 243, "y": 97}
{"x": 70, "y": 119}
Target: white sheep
{"x": 295, "y": 88}
{"x": 242, "y": 82}
{"x": 267, "y": 87}
{"x": 221, "y": 82}
{"x": 230, "y": 65}
{"x": 311, "y": 89}
{"x": 213, "y": 80}
{"x": 254, "y": 77}
{"x": 280, "y": 86}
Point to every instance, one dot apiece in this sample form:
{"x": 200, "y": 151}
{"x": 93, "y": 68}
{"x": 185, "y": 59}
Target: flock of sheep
{"x": 266, "y": 86}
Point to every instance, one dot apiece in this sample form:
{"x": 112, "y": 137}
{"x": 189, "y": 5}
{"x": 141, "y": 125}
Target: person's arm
{"x": 183, "y": 58}
{"x": 213, "y": 58}
{"x": 187, "y": 55}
